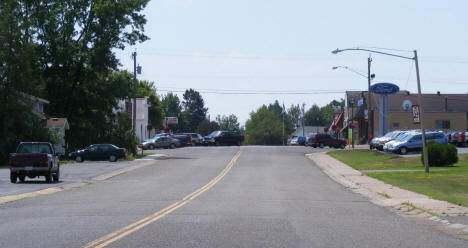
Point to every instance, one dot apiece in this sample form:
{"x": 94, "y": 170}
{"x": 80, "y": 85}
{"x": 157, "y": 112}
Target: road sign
{"x": 416, "y": 114}
{"x": 385, "y": 88}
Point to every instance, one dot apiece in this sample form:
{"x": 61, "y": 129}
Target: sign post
{"x": 384, "y": 89}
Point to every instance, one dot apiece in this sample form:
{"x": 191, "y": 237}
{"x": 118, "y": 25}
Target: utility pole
{"x": 421, "y": 110}
{"x": 134, "y": 54}
{"x": 302, "y": 119}
{"x": 370, "y": 121}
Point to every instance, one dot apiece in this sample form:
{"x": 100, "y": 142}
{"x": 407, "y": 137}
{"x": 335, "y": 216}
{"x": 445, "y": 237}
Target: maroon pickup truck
{"x": 34, "y": 159}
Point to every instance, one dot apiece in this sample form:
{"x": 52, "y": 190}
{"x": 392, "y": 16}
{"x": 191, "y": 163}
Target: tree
{"x": 194, "y": 109}
{"x": 18, "y": 75}
{"x": 155, "y": 109}
{"x": 314, "y": 117}
{"x": 264, "y": 127}
{"x": 229, "y": 123}
{"x": 294, "y": 114}
{"x": 171, "y": 104}
{"x": 206, "y": 127}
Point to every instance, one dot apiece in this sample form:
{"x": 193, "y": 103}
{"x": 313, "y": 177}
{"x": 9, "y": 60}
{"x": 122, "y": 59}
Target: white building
{"x": 141, "y": 120}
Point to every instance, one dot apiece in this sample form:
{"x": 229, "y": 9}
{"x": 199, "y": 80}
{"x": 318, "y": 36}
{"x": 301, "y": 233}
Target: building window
{"x": 396, "y": 125}
{"x": 443, "y": 124}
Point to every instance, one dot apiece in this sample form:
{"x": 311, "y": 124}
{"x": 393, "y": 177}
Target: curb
{"x": 403, "y": 202}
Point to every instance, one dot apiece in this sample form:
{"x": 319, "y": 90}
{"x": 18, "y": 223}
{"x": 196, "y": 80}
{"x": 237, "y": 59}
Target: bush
{"x": 440, "y": 155}
{"x": 131, "y": 142}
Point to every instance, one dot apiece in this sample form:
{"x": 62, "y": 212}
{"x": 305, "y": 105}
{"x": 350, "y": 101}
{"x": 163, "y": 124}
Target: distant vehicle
{"x": 290, "y": 139}
{"x": 413, "y": 141}
{"x": 183, "y": 138}
{"x": 34, "y": 159}
{"x": 148, "y": 144}
{"x": 223, "y": 138}
{"x": 322, "y": 139}
{"x": 197, "y": 139}
{"x": 166, "y": 142}
{"x": 298, "y": 141}
{"x": 99, "y": 152}
{"x": 379, "y": 142}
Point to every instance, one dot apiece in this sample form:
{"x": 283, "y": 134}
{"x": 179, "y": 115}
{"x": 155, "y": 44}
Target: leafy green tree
{"x": 294, "y": 114}
{"x": 229, "y": 123}
{"x": 206, "y": 127}
{"x": 314, "y": 117}
{"x": 172, "y": 108}
{"x": 18, "y": 75}
{"x": 194, "y": 109}
{"x": 264, "y": 127}
{"x": 155, "y": 109}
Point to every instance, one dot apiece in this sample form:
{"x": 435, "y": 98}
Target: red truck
{"x": 34, "y": 159}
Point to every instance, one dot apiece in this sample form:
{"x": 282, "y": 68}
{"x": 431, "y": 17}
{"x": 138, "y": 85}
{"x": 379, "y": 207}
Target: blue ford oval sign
{"x": 385, "y": 88}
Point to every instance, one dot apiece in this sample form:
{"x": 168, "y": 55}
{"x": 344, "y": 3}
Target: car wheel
{"x": 48, "y": 177}
{"x": 403, "y": 150}
{"x": 79, "y": 159}
{"x": 21, "y": 178}
{"x": 13, "y": 177}
{"x": 56, "y": 176}
{"x": 238, "y": 143}
{"x": 342, "y": 146}
{"x": 151, "y": 147}
{"x": 112, "y": 158}
{"x": 322, "y": 145}
{"x": 172, "y": 146}
{"x": 217, "y": 143}
{"x": 314, "y": 146}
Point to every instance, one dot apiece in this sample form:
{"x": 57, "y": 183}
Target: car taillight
{"x": 461, "y": 136}
{"x": 124, "y": 151}
{"x": 10, "y": 160}
{"x": 46, "y": 160}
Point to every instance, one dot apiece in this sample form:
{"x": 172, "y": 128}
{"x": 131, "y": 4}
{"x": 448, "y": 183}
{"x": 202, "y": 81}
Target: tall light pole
{"x": 420, "y": 100}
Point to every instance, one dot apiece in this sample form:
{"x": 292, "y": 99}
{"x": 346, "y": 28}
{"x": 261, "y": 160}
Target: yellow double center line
{"x": 125, "y": 231}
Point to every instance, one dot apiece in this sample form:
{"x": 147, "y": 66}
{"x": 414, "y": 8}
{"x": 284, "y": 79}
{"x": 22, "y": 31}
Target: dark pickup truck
{"x": 223, "y": 138}
{"x": 34, "y": 159}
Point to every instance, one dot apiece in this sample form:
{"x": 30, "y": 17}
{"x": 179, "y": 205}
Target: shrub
{"x": 440, "y": 155}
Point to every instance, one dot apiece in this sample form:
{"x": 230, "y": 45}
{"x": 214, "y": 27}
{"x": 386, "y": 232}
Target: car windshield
{"x": 215, "y": 133}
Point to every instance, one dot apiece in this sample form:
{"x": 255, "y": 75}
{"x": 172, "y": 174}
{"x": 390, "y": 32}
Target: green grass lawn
{"x": 372, "y": 160}
{"x": 443, "y": 183}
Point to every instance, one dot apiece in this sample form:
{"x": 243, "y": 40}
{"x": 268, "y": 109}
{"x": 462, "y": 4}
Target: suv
{"x": 322, "y": 139}
{"x": 413, "y": 141}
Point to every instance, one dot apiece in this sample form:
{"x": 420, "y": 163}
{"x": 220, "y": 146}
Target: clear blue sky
{"x": 277, "y": 45}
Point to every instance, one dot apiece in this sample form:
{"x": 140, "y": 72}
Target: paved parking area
{"x": 69, "y": 173}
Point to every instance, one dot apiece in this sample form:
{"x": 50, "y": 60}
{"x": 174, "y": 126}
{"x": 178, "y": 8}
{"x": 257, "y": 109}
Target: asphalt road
{"x": 213, "y": 197}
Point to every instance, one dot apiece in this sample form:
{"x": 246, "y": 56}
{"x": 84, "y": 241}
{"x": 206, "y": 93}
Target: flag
{"x": 284, "y": 110}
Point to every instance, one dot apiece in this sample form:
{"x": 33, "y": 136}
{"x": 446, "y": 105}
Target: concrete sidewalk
{"x": 403, "y": 202}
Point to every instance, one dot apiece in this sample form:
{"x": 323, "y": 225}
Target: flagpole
{"x": 283, "y": 129}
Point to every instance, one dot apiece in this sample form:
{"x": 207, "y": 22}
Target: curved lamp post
{"x": 420, "y": 100}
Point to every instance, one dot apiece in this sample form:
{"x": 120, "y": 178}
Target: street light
{"x": 420, "y": 100}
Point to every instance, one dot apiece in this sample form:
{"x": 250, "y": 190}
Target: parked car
{"x": 183, "y": 138}
{"x": 379, "y": 142}
{"x": 99, "y": 152}
{"x": 197, "y": 139}
{"x": 298, "y": 141}
{"x": 413, "y": 141}
{"x": 290, "y": 138}
{"x": 322, "y": 139}
{"x": 223, "y": 138}
{"x": 166, "y": 142}
{"x": 148, "y": 144}
{"x": 34, "y": 159}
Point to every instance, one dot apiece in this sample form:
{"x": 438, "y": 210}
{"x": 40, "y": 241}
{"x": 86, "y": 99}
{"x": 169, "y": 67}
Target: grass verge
{"x": 443, "y": 183}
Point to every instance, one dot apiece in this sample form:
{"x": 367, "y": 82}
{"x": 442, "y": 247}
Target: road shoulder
{"x": 404, "y": 202}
